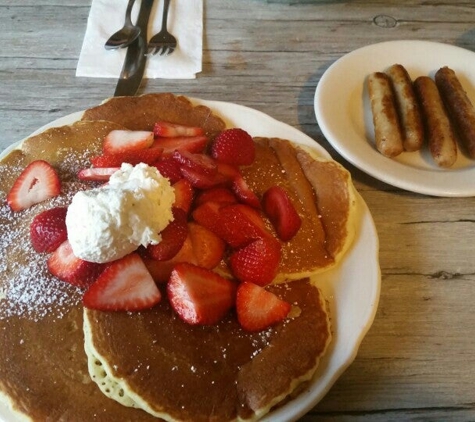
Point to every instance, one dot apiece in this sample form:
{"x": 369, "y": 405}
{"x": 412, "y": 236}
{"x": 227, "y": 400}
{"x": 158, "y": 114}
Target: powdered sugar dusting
{"x": 27, "y": 289}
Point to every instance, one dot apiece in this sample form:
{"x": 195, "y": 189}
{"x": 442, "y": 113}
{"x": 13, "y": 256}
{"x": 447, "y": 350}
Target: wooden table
{"x": 417, "y": 362}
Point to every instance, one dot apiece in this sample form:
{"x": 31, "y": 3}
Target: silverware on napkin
{"x": 163, "y": 43}
{"x": 136, "y": 57}
{"x": 127, "y": 34}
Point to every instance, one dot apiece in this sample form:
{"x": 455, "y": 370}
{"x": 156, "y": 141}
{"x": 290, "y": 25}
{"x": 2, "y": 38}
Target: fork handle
{"x": 166, "y": 5}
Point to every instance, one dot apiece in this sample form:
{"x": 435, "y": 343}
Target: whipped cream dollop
{"x": 111, "y": 221}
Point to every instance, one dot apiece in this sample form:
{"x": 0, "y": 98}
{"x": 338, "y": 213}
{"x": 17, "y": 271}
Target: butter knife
{"x": 136, "y": 57}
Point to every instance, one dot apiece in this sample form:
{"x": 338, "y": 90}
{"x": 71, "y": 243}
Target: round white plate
{"x": 352, "y": 288}
{"x": 344, "y": 114}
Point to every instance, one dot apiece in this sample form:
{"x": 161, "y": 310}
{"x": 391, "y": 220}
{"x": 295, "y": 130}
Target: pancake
{"x": 180, "y": 372}
{"x": 46, "y": 373}
{"x": 324, "y": 197}
{"x": 140, "y": 113}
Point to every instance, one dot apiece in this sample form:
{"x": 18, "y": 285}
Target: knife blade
{"x": 136, "y": 57}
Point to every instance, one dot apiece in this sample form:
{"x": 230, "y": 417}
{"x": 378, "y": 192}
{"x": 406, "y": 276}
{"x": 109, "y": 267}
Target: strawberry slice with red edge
{"x": 102, "y": 174}
{"x": 201, "y": 180}
{"x": 281, "y": 212}
{"x": 234, "y": 146}
{"x": 119, "y": 141}
{"x": 173, "y": 237}
{"x": 63, "y": 264}
{"x": 148, "y": 156}
{"x": 209, "y": 216}
{"x": 199, "y": 162}
{"x": 168, "y": 168}
{"x": 173, "y": 130}
{"x": 125, "y": 285}
{"x": 258, "y": 309}
{"x": 48, "y": 229}
{"x": 184, "y": 194}
{"x": 244, "y": 193}
{"x": 228, "y": 170}
{"x": 239, "y": 224}
{"x": 223, "y": 177}
{"x": 194, "y": 144}
{"x": 256, "y": 262}
{"x": 199, "y": 296}
{"x": 220, "y": 195}
{"x": 36, "y": 183}
{"x": 208, "y": 248}
{"x": 161, "y": 270}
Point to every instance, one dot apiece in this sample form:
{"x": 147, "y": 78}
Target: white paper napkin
{"x": 185, "y": 22}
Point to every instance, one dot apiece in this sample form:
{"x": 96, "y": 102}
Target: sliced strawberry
{"x": 209, "y": 216}
{"x": 161, "y": 270}
{"x": 281, "y": 212}
{"x": 36, "y": 183}
{"x": 110, "y": 160}
{"x": 257, "y": 308}
{"x": 240, "y": 224}
{"x": 199, "y": 162}
{"x": 148, "y": 156}
{"x": 63, "y": 264}
{"x": 97, "y": 174}
{"x": 199, "y": 296}
{"x": 234, "y": 146}
{"x": 125, "y": 285}
{"x": 228, "y": 170}
{"x": 220, "y": 195}
{"x": 203, "y": 181}
{"x": 168, "y": 168}
{"x": 173, "y": 237}
{"x": 173, "y": 130}
{"x": 48, "y": 229}
{"x": 118, "y": 141}
{"x": 191, "y": 144}
{"x": 244, "y": 192}
{"x": 208, "y": 248}
{"x": 257, "y": 262}
{"x": 184, "y": 193}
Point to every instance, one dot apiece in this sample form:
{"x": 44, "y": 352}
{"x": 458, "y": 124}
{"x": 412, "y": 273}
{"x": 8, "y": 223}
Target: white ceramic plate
{"x": 344, "y": 115}
{"x": 352, "y": 288}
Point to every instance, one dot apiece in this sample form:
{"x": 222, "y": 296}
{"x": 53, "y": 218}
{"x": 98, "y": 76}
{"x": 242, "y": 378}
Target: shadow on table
{"x": 467, "y": 40}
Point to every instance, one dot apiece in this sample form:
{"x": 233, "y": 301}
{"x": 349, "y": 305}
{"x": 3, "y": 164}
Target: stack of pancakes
{"x": 147, "y": 365}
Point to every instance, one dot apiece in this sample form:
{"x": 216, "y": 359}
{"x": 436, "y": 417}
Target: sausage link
{"x": 458, "y": 106}
{"x": 387, "y": 131}
{"x": 440, "y": 135}
{"x": 407, "y": 107}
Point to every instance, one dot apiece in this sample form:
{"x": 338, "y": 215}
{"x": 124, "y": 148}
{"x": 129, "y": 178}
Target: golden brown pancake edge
{"x": 328, "y": 214}
{"x": 141, "y": 112}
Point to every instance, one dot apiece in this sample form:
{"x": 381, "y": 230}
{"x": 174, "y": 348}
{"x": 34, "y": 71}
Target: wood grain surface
{"x": 417, "y": 362}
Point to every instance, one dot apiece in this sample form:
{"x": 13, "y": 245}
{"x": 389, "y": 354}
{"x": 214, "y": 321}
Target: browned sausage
{"x": 387, "y": 131}
{"x": 407, "y": 107}
{"x": 440, "y": 135}
{"x": 458, "y": 106}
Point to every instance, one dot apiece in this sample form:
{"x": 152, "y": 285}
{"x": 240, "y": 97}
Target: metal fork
{"x": 163, "y": 43}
